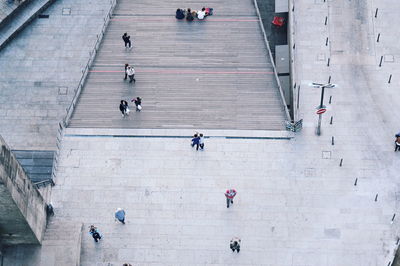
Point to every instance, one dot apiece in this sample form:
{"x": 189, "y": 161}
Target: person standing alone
{"x": 230, "y": 194}
{"x": 120, "y": 215}
{"x": 95, "y": 233}
{"x": 127, "y": 40}
{"x": 235, "y": 244}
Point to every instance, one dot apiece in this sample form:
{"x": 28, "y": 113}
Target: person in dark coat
{"x": 123, "y": 107}
{"x": 180, "y": 14}
{"x": 196, "y": 141}
{"x": 95, "y": 233}
{"x": 138, "y": 103}
{"x": 126, "y": 72}
{"x": 127, "y": 40}
{"x": 189, "y": 15}
{"x": 235, "y": 244}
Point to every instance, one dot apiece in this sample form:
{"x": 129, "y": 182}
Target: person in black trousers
{"x": 127, "y": 40}
{"x": 126, "y": 73}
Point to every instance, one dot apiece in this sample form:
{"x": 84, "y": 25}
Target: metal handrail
{"x": 85, "y": 71}
{"x": 272, "y": 61}
{"x": 65, "y": 121}
{"x": 292, "y": 55}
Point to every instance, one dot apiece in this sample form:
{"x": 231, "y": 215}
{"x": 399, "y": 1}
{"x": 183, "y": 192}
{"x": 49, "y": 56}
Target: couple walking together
{"x": 198, "y": 141}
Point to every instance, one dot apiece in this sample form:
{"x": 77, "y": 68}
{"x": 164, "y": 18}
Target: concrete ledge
{"x": 23, "y": 15}
{"x": 61, "y": 247}
{"x": 209, "y": 133}
{"x": 14, "y": 12}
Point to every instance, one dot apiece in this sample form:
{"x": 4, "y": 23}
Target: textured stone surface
{"x": 48, "y": 54}
{"x": 22, "y": 208}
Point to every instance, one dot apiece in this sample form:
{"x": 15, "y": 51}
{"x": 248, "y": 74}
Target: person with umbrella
{"x": 120, "y": 215}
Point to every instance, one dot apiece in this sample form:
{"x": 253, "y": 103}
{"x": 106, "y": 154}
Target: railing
{"x": 273, "y": 63}
{"x": 70, "y": 110}
{"x": 85, "y": 71}
{"x": 292, "y": 54}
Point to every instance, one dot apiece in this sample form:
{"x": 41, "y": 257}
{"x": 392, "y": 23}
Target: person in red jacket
{"x": 230, "y": 194}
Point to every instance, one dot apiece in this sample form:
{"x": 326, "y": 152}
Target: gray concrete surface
{"x": 295, "y": 206}
{"x": 41, "y": 68}
{"x": 22, "y": 209}
{"x": 8, "y": 7}
{"x": 18, "y": 20}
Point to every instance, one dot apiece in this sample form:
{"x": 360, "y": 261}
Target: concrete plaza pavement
{"x": 293, "y": 207}
{"x": 41, "y": 68}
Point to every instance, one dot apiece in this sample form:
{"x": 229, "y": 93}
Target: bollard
{"x": 331, "y": 120}
{"x": 333, "y": 140}
{"x": 379, "y": 35}
{"x": 326, "y": 20}
{"x": 380, "y": 64}
{"x": 376, "y": 12}
{"x": 390, "y": 78}
{"x": 330, "y": 99}
{"x": 376, "y": 197}
{"x": 329, "y": 80}
{"x": 294, "y": 46}
{"x": 329, "y": 60}
{"x": 394, "y": 215}
{"x": 355, "y": 182}
{"x": 341, "y": 162}
{"x": 326, "y": 43}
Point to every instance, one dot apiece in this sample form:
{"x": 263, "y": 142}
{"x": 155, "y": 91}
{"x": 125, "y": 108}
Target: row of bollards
{"x": 331, "y": 119}
{"x": 377, "y": 40}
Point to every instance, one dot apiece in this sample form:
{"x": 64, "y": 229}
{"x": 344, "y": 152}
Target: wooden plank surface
{"x": 213, "y": 74}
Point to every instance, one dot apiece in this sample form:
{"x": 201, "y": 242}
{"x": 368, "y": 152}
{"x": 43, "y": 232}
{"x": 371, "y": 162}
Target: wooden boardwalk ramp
{"x": 211, "y": 74}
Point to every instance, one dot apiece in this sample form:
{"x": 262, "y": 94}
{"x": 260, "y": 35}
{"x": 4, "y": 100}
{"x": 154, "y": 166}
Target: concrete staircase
{"x": 17, "y": 20}
{"x": 207, "y": 74}
{"x": 61, "y": 246}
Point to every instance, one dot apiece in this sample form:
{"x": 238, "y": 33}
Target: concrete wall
{"x": 22, "y": 208}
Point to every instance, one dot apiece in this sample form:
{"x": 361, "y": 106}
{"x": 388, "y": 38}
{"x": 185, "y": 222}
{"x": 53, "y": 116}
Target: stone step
{"x": 21, "y": 18}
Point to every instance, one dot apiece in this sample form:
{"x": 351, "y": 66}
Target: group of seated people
{"x": 191, "y": 14}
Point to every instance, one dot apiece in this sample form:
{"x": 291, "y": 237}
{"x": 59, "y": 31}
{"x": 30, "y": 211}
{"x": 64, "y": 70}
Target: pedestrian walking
{"x": 196, "y": 141}
{"x": 126, "y": 264}
{"x": 397, "y": 142}
{"x": 124, "y": 108}
{"x": 126, "y": 73}
{"x": 230, "y": 194}
{"x": 138, "y": 103}
{"x": 201, "y": 141}
{"x": 130, "y": 71}
{"x": 235, "y": 244}
{"x": 94, "y": 233}
{"x": 127, "y": 40}
{"x": 120, "y": 215}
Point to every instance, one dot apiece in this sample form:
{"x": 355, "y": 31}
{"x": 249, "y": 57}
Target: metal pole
{"x": 319, "y": 125}
{"x": 320, "y": 106}
{"x": 322, "y": 97}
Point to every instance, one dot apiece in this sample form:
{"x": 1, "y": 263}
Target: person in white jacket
{"x": 130, "y": 71}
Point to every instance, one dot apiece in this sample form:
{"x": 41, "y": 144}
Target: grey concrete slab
{"x": 48, "y": 54}
{"x": 307, "y": 211}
